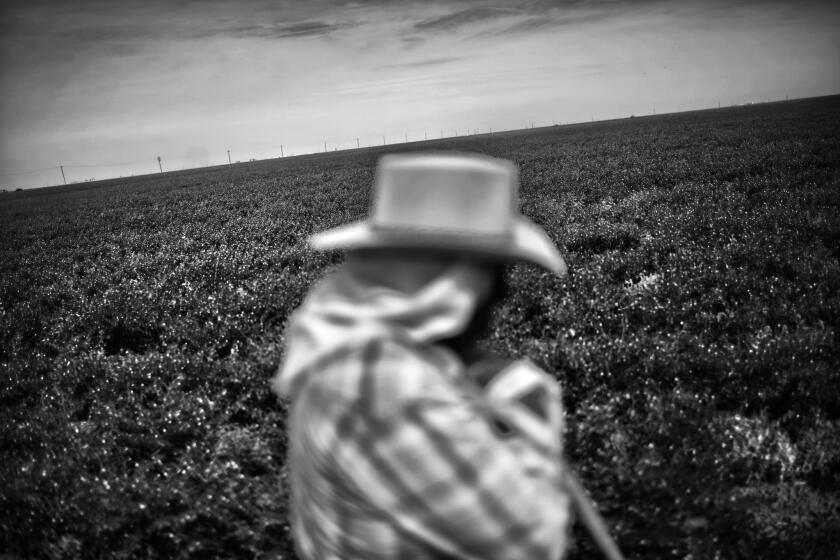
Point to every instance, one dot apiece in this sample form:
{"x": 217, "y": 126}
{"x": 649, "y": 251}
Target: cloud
{"x": 551, "y": 20}
{"x": 412, "y": 41}
{"x": 95, "y": 22}
{"x": 281, "y": 31}
{"x": 463, "y": 18}
{"x": 493, "y": 18}
{"x": 427, "y": 62}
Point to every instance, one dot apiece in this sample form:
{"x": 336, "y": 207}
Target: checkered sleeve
{"x": 424, "y": 453}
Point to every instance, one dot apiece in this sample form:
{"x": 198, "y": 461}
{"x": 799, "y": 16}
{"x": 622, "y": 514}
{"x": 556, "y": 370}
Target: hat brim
{"x": 527, "y": 242}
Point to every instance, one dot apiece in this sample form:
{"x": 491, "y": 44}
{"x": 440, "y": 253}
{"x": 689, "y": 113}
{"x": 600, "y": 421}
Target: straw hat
{"x": 461, "y": 203}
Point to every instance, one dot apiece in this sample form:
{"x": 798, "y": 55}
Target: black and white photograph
{"x": 420, "y": 279}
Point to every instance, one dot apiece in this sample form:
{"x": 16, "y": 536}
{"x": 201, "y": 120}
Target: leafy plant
{"x": 696, "y": 339}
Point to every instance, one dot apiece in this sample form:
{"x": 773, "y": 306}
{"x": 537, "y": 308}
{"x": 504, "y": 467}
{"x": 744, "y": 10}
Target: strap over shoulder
{"x": 523, "y": 397}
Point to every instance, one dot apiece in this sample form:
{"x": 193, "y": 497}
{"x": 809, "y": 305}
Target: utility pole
{"x": 159, "y": 165}
{"x": 383, "y": 140}
{"x": 281, "y": 150}
{"x": 62, "y": 174}
{"x": 325, "y": 145}
{"x": 357, "y": 143}
{"x": 229, "y": 162}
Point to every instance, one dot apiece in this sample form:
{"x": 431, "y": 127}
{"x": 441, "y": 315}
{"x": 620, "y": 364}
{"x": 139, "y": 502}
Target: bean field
{"x": 697, "y": 337}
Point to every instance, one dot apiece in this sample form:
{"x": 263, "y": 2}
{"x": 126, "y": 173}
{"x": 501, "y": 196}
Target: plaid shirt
{"x": 393, "y": 454}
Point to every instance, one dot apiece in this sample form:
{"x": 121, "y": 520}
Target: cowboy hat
{"x": 462, "y": 203}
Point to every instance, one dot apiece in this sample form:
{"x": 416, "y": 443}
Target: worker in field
{"x": 406, "y": 440}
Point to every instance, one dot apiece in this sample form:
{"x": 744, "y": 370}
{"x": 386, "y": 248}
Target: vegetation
{"x": 697, "y": 338}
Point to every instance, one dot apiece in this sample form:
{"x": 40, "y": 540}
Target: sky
{"x": 104, "y": 87}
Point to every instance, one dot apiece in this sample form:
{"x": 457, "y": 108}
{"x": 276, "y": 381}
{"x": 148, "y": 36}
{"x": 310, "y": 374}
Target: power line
{"x": 110, "y": 164}
{"x": 334, "y": 140}
{"x": 28, "y": 172}
{"x": 70, "y": 166}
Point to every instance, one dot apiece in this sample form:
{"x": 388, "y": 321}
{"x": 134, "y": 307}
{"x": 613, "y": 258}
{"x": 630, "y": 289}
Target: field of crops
{"x": 697, "y": 338}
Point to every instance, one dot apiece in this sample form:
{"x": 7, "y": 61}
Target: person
{"x": 406, "y": 440}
